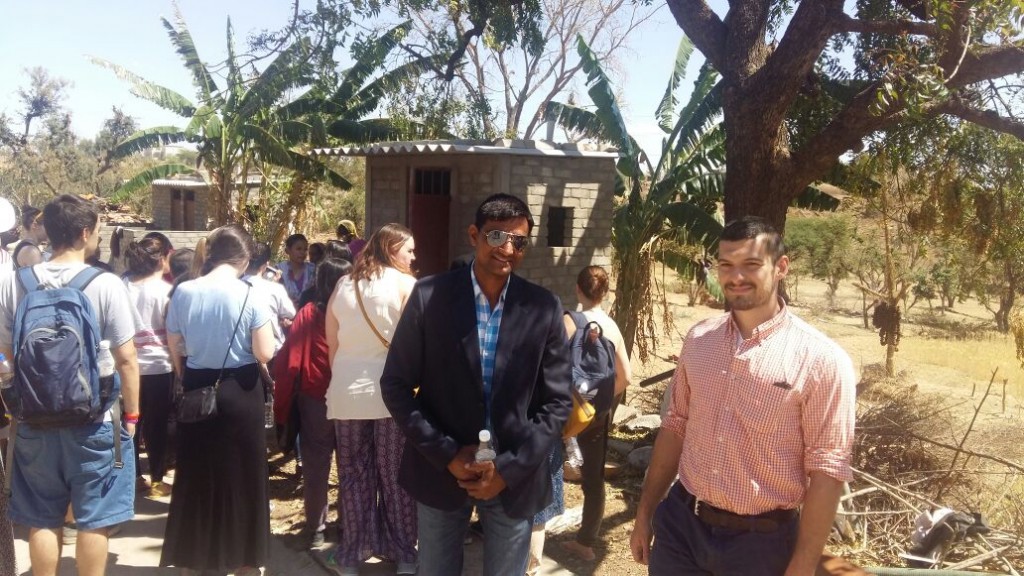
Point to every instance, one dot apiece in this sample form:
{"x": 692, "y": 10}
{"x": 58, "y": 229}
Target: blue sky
{"x": 59, "y": 34}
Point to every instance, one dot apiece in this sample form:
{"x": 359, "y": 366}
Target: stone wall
{"x": 586, "y": 185}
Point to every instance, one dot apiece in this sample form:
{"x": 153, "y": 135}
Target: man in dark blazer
{"x": 479, "y": 348}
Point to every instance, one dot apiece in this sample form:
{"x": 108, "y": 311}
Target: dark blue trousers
{"x": 684, "y": 545}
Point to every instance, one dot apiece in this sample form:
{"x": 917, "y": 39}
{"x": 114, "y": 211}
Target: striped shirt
{"x": 488, "y": 322}
{"x": 757, "y": 416}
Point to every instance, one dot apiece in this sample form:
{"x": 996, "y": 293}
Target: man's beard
{"x": 757, "y": 297}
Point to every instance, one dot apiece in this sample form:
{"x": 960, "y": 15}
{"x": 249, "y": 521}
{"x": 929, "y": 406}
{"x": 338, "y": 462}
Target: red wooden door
{"x": 429, "y": 204}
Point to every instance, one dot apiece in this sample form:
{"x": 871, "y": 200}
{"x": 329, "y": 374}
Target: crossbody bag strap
{"x": 233, "y": 332}
{"x": 359, "y": 298}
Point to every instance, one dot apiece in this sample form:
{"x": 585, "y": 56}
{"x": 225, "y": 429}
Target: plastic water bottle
{"x": 268, "y": 414}
{"x": 105, "y": 363}
{"x": 6, "y": 373}
{"x": 485, "y": 451}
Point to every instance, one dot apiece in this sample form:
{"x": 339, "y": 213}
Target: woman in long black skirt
{"x": 219, "y": 519}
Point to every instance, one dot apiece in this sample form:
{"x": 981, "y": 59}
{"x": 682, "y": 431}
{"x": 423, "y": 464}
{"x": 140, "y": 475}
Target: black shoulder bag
{"x": 201, "y": 404}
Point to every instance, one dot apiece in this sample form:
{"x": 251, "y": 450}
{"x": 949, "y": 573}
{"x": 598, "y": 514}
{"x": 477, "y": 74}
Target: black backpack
{"x": 593, "y": 363}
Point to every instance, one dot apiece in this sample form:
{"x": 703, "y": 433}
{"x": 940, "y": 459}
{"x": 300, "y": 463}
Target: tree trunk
{"x": 890, "y": 361}
{"x": 758, "y": 180}
{"x": 633, "y": 299}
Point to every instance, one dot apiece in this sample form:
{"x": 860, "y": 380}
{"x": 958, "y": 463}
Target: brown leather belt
{"x": 716, "y": 517}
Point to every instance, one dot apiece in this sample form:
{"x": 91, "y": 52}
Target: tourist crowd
{"x": 342, "y": 350}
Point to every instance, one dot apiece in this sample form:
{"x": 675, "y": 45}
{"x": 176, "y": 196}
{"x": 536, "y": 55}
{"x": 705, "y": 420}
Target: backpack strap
{"x": 578, "y": 318}
{"x": 28, "y": 279}
{"x": 115, "y": 421}
{"x": 84, "y": 278}
{"x": 12, "y": 433}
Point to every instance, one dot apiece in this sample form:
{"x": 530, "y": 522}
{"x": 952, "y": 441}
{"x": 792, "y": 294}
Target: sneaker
{"x": 406, "y": 568}
{"x": 70, "y": 534}
{"x": 318, "y": 539}
{"x": 160, "y": 489}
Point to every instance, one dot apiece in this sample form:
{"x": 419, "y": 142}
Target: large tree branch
{"x": 847, "y": 23}
{"x": 988, "y": 64}
{"x": 987, "y": 118}
{"x": 777, "y": 83}
{"x": 846, "y": 132}
{"x": 703, "y": 27}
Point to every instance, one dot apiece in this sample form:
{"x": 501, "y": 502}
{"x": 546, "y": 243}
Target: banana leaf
{"x": 146, "y": 177}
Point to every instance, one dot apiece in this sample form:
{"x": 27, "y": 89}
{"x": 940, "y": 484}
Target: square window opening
{"x": 560, "y": 221}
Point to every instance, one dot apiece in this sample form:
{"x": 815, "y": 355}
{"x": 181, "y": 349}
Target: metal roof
{"x": 497, "y": 146}
{"x": 180, "y": 183}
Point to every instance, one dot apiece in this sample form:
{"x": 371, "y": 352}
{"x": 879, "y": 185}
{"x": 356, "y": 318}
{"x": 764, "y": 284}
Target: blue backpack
{"x": 593, "y": 363}
{"x": 56, "y": 343}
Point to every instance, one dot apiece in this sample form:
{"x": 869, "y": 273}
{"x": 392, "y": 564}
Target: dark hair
{"x": 144, "y": 257}
{"x": 229, "y": 244}
{"x": 593, "y": 283}
{"x": 64, "y": 219}
{"x": 328, "y": 273}
{"x": 750, "y": 227}
{"x": 342, "y": 231}
{"x": 260, "y": 256}
{"x": 165, "y": 243}
{"x": 379, "y": 251}
{"x": 316, "y": 252}
{"x": 502, "y": 208}
{"x": 29, "y": 215}
{"x": 291, "y": 240}
{"x": 337, "y": 249}
{"x": 181, "y": 261}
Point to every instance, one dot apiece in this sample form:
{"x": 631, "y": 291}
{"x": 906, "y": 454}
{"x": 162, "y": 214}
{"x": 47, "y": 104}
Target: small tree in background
{"x": 822, "y": 245}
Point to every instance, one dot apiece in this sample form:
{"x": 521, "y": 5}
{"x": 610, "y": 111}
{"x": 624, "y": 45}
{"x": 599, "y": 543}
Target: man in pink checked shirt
{"x": 759, "y": 431}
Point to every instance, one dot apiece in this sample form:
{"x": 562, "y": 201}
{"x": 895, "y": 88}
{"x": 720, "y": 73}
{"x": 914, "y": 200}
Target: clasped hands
{"x": 480, "y": 479}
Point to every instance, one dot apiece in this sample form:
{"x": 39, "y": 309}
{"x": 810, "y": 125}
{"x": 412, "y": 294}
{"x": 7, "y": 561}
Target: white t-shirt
{"x": 279, "y": 305}
{"x": 150, "y": 298}
{"x": 115, "y": 316}
{"x": 354, "y": 392}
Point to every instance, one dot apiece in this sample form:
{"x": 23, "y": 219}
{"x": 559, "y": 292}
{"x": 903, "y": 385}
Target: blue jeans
{"x": 441, "y": 535}
{"x": 684, "y": 545}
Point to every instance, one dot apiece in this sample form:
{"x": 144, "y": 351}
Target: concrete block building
{"x": 434, "y": 187}
{"x": 180, "y": 204}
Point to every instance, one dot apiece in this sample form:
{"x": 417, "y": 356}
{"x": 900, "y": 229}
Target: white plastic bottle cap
{"x": 485, "y": 436}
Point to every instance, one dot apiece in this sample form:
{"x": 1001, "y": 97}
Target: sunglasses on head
{"x": 497, "y": 239}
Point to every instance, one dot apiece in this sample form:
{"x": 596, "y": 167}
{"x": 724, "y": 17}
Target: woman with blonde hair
{"x": 379, "y": 517}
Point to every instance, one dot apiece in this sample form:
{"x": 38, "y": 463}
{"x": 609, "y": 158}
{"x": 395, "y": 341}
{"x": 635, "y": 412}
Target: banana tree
{"x": 660, "y": 206}
{"x": 250, "y": 127}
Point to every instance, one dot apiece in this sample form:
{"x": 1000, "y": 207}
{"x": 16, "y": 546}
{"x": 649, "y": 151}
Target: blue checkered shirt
{"x": 488, "y": 322}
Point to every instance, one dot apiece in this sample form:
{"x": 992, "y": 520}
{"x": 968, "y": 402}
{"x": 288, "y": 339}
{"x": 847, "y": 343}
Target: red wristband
{"x": 132, "y": 417}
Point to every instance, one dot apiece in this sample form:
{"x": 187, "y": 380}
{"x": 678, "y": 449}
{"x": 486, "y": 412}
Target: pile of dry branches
{"x": 902, "y": 469}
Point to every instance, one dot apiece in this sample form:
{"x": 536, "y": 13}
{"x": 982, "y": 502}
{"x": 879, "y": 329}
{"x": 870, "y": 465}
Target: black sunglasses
{"x": 497, "y": 239}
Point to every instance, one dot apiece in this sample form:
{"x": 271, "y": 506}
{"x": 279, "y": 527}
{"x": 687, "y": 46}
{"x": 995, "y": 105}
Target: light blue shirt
{"x": 204, "y": 312}
{"x": 488, "y": 323}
